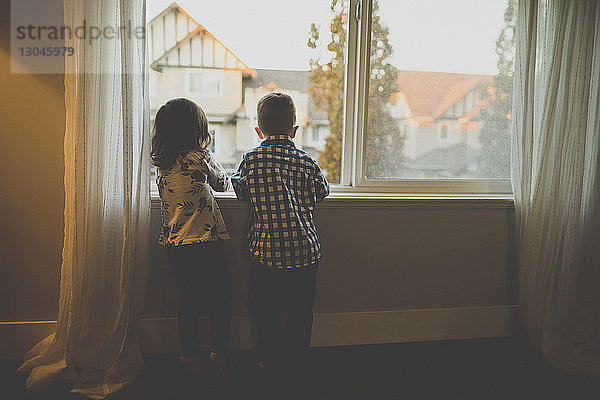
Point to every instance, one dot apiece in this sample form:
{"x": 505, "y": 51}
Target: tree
{"x": 496, "y": 130}
{"x": 327, "y": 87}
{"x": 384, "y": 142}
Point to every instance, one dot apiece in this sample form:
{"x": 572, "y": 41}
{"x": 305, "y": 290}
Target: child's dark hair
{"x": 276, "y": 113}
{"x": 180, "y": 124}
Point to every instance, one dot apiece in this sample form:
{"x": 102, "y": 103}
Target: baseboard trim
{"x": 414, "y": 325}
{"x": 159, "y": 335}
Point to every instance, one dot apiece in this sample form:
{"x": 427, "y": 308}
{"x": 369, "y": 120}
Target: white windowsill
{"x": 341, "y": 199}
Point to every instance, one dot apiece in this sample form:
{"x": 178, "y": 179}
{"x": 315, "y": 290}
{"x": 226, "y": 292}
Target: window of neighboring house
{"x": 196, "y": 81}
{"x": 315, "y": 134}
{"x": 444, "y": 132}
{"x": 414, "y": 101}
{"x": 206, "y": 83}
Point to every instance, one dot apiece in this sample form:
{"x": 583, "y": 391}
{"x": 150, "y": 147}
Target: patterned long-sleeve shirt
{"x": 282, "y": 184}
{"x": 189, "y": 211}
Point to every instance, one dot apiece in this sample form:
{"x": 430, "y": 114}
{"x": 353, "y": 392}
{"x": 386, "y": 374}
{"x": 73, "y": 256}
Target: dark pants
{"x": 202, "y": 276}
{"x": 281, "y": 302}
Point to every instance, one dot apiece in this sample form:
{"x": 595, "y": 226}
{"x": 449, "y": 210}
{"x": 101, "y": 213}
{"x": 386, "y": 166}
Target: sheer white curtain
{"x": 555, "y": 174}
{"x": 107, "y": 206}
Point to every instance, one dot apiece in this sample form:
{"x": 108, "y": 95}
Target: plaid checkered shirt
{"x": 282, "y": 184}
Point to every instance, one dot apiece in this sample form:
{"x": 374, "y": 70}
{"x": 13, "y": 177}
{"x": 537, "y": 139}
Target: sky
{"x": 428, "y": 35}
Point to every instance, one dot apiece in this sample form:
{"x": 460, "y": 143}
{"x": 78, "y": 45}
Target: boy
{"x": 282, "y": 185}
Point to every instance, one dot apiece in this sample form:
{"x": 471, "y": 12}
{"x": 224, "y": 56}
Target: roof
{"x": 198, "y": 30}
{"x": 277, "y": 79}
{"x": 285, "y": 79}
{"x": 430, "y": 94}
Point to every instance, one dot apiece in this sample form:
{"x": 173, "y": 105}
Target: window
{"x": 226, "y": 63}
{"x": 444, "y": 133}
{"x": 460, "y": 139}
{"x": 400, "y": 96}
{"x": 206, "y": 84}
{"x": 196, "y": 83}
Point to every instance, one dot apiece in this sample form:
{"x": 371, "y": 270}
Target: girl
{"x": 192, "y": 225}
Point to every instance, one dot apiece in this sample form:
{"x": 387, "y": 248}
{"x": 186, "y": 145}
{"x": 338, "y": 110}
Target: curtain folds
{"x": 555, "y": 175}
{"x": 107, "y": 205}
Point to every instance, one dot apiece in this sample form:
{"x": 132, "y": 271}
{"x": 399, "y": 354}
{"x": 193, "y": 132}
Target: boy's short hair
{"x": 276, "y": 113}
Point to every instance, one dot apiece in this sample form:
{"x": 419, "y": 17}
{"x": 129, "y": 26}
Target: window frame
{"x": 353, "y": 168}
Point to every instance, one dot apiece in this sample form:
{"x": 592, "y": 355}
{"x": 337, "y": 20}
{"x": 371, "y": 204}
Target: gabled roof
{"x": 286, "y": 79}
{"x": 198, "y": 30}
{"x": 430, "y": 94}
{"x": 163, "y": 12}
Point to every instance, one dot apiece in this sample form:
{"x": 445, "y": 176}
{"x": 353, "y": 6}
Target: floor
{"x": 504, "y": 368}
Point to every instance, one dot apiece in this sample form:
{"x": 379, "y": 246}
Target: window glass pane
{"x": 440, "y": 89}
{"x": 196, "y": 83}
{"x": 316, "y": 134}
{"x": 208, "y": 83}
{"x": 230, "y": 53}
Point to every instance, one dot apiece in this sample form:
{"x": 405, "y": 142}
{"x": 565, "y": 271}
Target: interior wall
{"x": 32, "y": 114}
{"x": 379, "y": 258}
{"x": 392, "y": 271}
